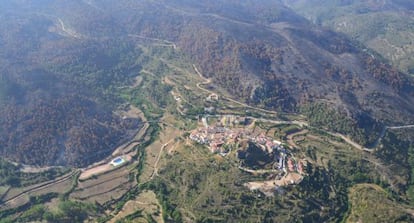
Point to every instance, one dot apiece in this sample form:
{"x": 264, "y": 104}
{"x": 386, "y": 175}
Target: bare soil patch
{"x": 154, "y": 151}
{"x": 290, "y": 178}
{"x": 106, "y": 167}
{"x": 270, "y": 185}
{"x": 105, "y": 187}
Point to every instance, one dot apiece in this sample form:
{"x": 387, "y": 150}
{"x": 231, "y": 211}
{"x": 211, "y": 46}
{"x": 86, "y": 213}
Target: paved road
{"x": 401, "y": 127}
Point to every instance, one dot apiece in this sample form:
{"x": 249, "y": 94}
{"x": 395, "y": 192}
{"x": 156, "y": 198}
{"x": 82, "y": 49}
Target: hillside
{"x": 198, "y": 111}
{"x": 369, "y": 203}
{"x": 55, "y": 93}
{"x": 263, "y": 54}
{"x": 383, "y": 26}
{"x": 270, "y": 57}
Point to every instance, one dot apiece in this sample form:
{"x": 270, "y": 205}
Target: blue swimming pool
{"x": 118, "y": 160}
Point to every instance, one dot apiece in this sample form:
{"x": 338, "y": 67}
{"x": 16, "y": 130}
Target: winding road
{"x": 300, "y": 123}
{"x": 69, "y": 32}
{"x": 384, "y": 130}
{"x": 208, "y": 81}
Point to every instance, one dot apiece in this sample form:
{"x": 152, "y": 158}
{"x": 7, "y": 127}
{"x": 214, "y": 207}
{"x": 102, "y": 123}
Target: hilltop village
{"x": 230, "y": 133}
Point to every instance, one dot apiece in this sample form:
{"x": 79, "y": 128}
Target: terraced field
{"x": 105, "y": 187}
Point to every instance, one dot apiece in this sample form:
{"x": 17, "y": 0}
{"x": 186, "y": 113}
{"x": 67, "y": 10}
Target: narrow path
{"x": 155, "y": 172}
{"x": 178, "y": 98}
{"x": 384, "y": 171}
{"x": 40, "y": 186}
{"x": 148, "y": 72}
{"x": 69, "y": 32}
{"x": 62, "y": 29}
{"x": 208, "y": 81}
{"x": 214, "y": 15}
{"x": 165, "y": 42}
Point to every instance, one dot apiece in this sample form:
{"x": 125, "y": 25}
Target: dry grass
{"x": 125, "y": 148}
{"x": 60, "y": 188}
{"x": 371, "y": 203}
{"x": 12, "y": 192}
{"x": 15, "y": 197}
{"x": 53, "y": 205}
{"x": 19, "y": 201}
{"x": 120, "y": 173}
{"x": 94, "y": 171}
{"x": 147, "y": 202}
{"x": 113, "y": 193}
{"x": 3, "y": 190}
{"x": 154, "y": 151}
{"x": 105, "y": 187}
{"x": 270, "y": 185}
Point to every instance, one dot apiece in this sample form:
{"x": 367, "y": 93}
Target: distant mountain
{"x": 385, "y": 26}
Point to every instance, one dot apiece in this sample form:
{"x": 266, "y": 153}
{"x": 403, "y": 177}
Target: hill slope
{"x": 67, "y": 66}
{"x": 384, "y": 26}
{"x": 263, "y": 54}
{"x": 54, "y": 93}
{"x": 270, "y": 57}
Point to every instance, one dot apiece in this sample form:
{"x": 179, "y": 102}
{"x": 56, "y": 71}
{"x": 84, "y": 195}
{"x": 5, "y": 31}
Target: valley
{"x": 215, "y": 111}
{"x": 111, "y": 186}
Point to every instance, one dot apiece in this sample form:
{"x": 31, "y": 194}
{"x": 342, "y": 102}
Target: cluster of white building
{"x": 266, "y": 143}
{"x": 217, "y": 136}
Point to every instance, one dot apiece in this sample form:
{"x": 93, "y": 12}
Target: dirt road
{"x": 290, "y": 137}
{"x": 208, "y": 81}
{"x": 38, "y": 187}
{"x": 155, "y": 172}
